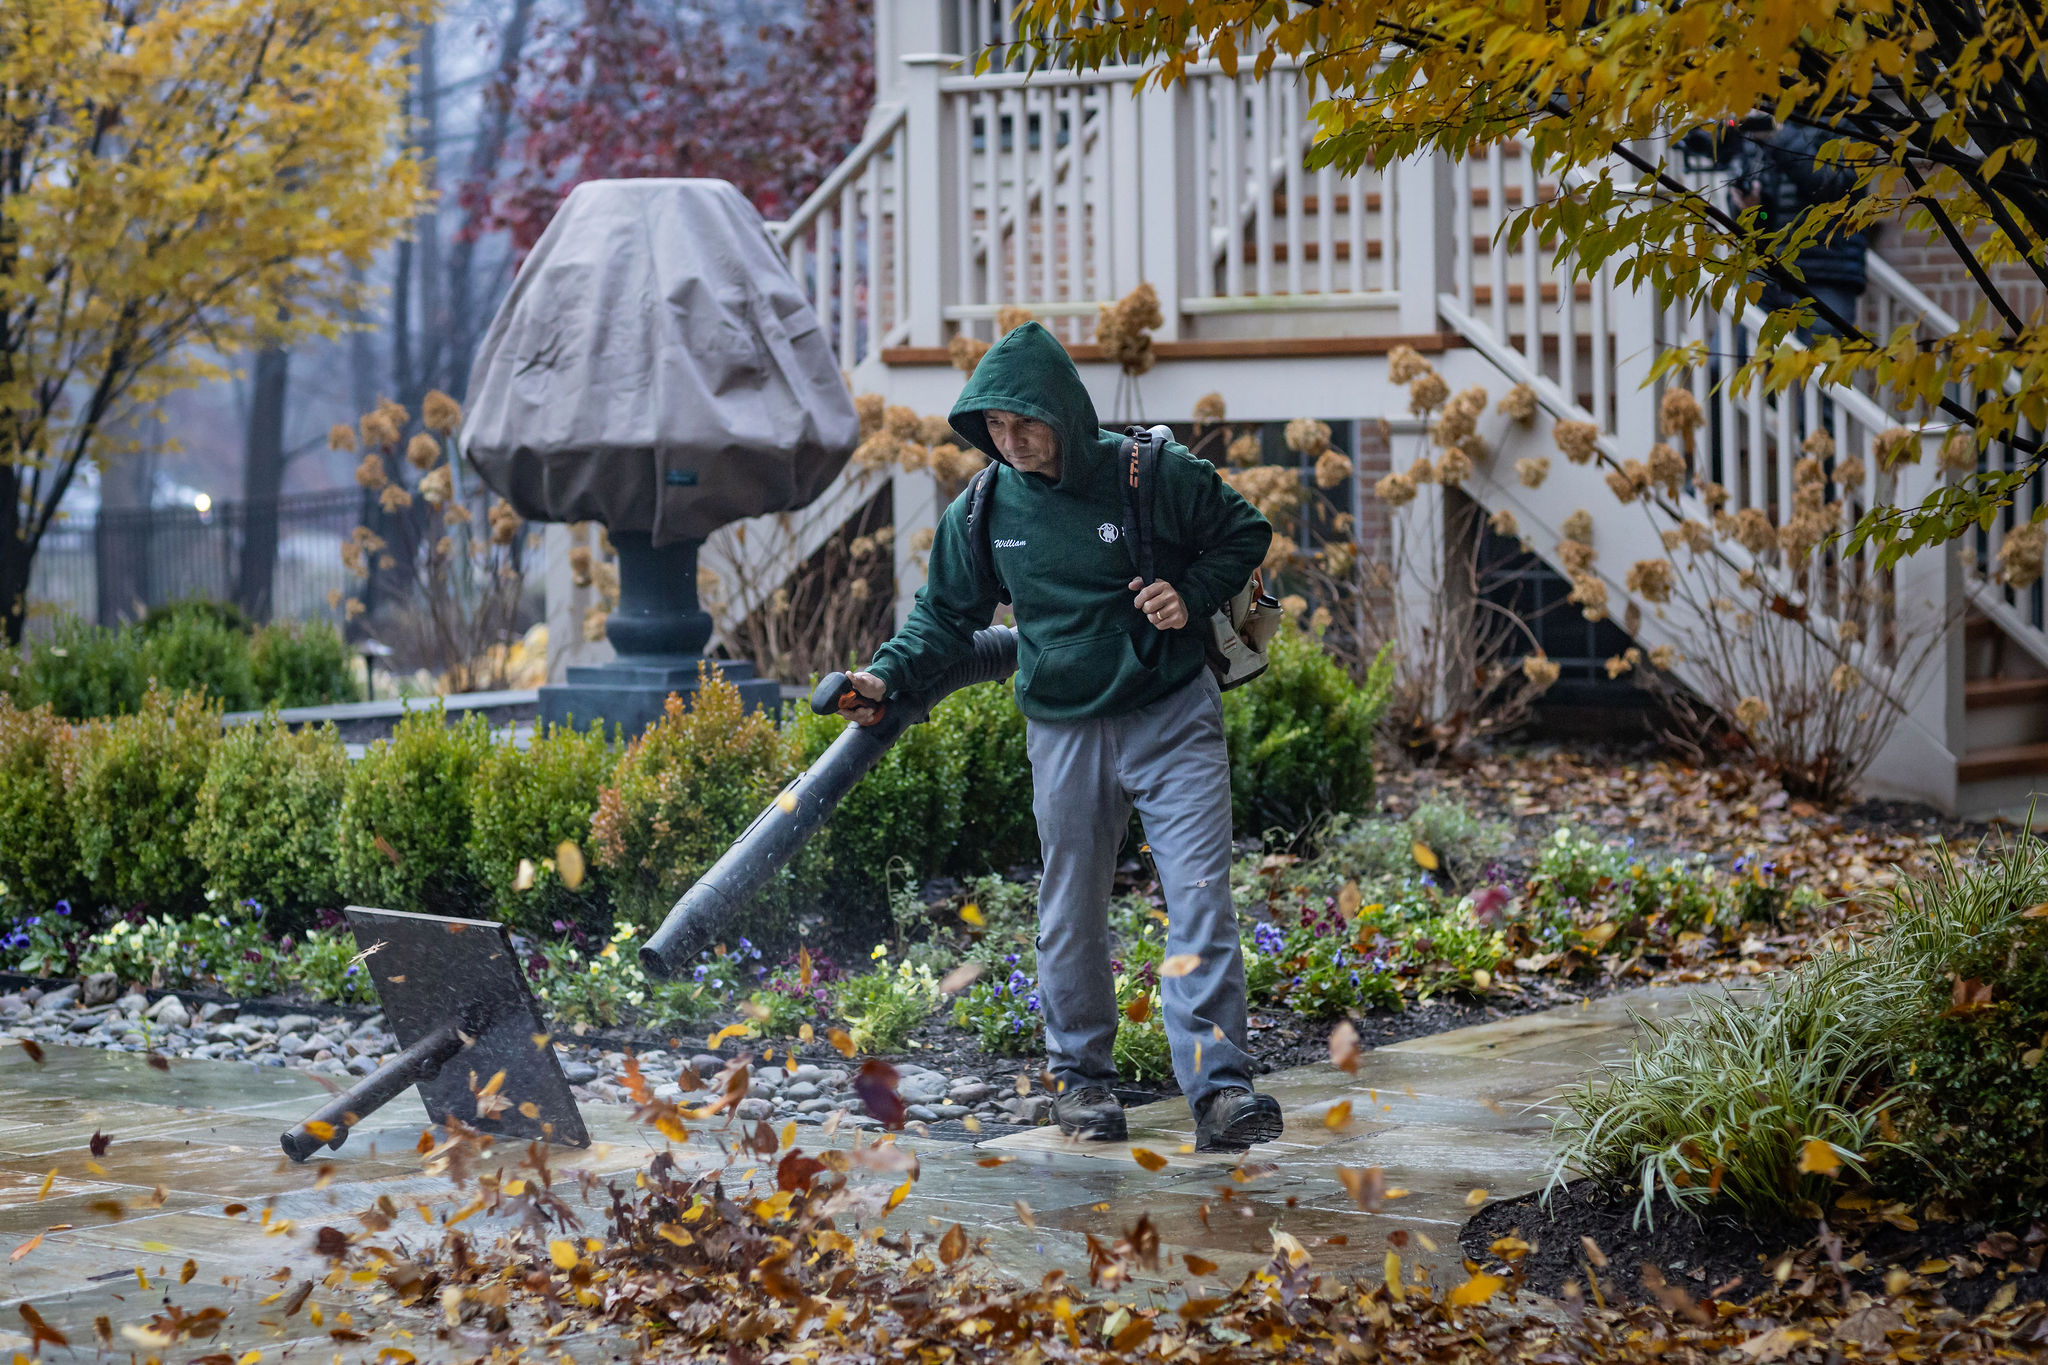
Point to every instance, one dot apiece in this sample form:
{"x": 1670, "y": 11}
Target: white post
{"x": 903, "y": 27}
{"x": 1422, "y": 222}
{"x": 914, "y": 496}
{"x": 1124, "y": 187}
{"x": 1165, "y": 166}
{"x": 1632, "y": 319}
{"x": 926, "y": 214}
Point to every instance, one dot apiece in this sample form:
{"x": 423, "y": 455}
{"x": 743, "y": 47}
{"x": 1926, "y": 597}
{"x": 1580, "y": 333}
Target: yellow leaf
{"x": 1339, "y": 1116}
{"x": 972, "y": 914}
{"x": 839, "y": 1039}
{"x": 729, "y": 1031}
{"x": 1391, "y": 1267}
{"x": 898, "y": 1195}
{"x": 1180, "y": 964}
{"x": 1476, "y": 1290}
{"x": 1348, "y": 900}
{"x": 522, "y": 880}
{"x": 786, "y": 803}
{"x": 320, "y": 1128}
{"x": 569, "y": 864}
{"x": 1475, "y": 1198}
{"x": 563, "y": 1254}
{"x": 1424, "y": 855}
{"x": 48, "y": 1181}
{"x": 1150, "y": 1160}
{"x": 805, "y": 1035}
{"x": 1818, "y": 1157}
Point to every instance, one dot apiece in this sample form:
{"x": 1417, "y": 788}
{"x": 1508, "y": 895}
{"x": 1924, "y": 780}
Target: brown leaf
{"x": 1180, "y": 964}
{"x": 1139, "y": 1009}
{"x": 1344, "y": 1046}
{"x": 1967, "y": 997}
{"x": 1367, "y": 1185}
{"x": 1024, "y": 1214}
{"x": 1150, "y": 1160}
{"x": 298, "y": 1297}
{"x": 876, "y": 1083}
{"x": 159, "y": 1061}
{"x": 953, "y": 1245}
{"x": 795, "y": 1172}
{"x": 33, "y": 1048}
{"x": 99, "y": 1143}
{"x": 960, "y": 978}
{"x": 1198, "y": 1265}
{"x": 40, "y": 1331}
{"x": 1134, "y": 1332}
{"x": 331, "y": 1242}
{"x": 384, "y": 847}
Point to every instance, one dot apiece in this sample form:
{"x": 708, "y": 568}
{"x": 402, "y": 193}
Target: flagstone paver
{"x": 1442, "y": 1116}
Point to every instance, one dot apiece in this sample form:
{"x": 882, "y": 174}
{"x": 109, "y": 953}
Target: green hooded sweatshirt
{"x": 1084, "y": 649}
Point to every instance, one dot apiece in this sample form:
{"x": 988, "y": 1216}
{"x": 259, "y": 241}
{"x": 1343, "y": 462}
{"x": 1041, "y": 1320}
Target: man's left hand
{"x": 1161, "y": 604}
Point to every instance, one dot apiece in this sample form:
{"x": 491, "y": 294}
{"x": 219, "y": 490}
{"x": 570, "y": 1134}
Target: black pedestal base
{"x": 629, "y": 694}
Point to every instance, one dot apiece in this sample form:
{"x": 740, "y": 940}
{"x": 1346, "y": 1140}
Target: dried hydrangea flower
{"x": 1453, "y": 467}
{"x": 1589, "y": 594}
{"x": 1395, "y": 490}
{"x": 1580, "y": 441}
{"x": 1307, "y": 436}
{"x": 1665, "y": 657}
{"x": 2020, "y": 555}
{"x": 1244, "y": 450}
{"x": 422, "y": 451}
{"x": 1519, "y": 402}
{"x": 964, "y": 351}
{"x": 1959, "y": 451}
{"x": 1667, "y": 467}
{"x": 1333, "y": 466}
{"x": 1532, "y": 470}
{"x": 1011, "y": 316}
{"x": 370, "y": 471}
{"x": 1426, "y": 392}
{"x": 1678, "y": 414}
{"x": 1405, "y": 364}
{"x": 1208, "y": 411}
{"x": 1818, "y": 444}
{"x": 1579, "y": 526}
{"x": 1751, "y": 712}
{"x": 341, "y": 436}
{"x": 1504, "y": 524}
{"x": 1651, "y": 580}
{"x": 1895, "y": 447}
{"x": 1539, "y": 670}
{"x": 439, "y": 413}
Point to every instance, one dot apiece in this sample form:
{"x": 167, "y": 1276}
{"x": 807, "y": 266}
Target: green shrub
{"x": 1380, "y": 852}
{"x": 883, "y": 1006}
{"x": 267, "y": 822}
{"x": 1140, "y": 1049}
{"x": 195, "y": 649}
{"x": 606, "y": 986}
{"x": 1724, "y": 1102}
{"x": 80, "y": 671}
{"x": 132, "y": 789}
{"x": 44, "y": 943}
{"x": 38, "y": 859}
{"x": 997, "y": 828}
{"x": 907, "y": 808}
{"x": 404, "y": 822}
{"x": 1301, "y": 738}
{"x": 302, "y": 663}
{"x": 681, "y": 793}
{"x": 1974, "y": 1093}
{"x": 325, "y": 967}
{"x": 523, "y": 805}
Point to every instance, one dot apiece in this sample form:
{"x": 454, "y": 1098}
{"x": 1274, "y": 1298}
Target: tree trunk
{"x": 17, "y": 556}
{"x": 121, "y": 531}
{"x": 494, "y": 126}
{"x": 262, "y": 480}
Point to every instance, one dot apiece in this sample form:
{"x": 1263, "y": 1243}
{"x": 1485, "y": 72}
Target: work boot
{"x": 1232, "y": 1120}
{"x": 1091, "y": 1113}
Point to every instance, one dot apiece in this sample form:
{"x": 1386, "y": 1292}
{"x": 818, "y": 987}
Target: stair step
{"x": 2018, "y": 760}
{"x": 1340, "y": 249}
{"x": 1983, "y": 693}
{"x": 1482, "y": 294}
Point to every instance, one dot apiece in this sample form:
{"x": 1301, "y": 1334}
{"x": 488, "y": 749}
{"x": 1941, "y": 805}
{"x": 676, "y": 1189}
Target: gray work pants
{"x": 1168, "y": 760}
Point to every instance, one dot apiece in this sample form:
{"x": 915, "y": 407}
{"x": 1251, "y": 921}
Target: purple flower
{"x": 63, "y": 907}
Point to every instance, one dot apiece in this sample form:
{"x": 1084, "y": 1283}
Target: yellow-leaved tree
{"x": 1932, "y": 113}
{"x": 179, "y": 180}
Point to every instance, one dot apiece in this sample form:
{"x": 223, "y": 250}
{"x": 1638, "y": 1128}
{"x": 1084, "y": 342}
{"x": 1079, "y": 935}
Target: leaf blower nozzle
{"x": 800, "y": 808}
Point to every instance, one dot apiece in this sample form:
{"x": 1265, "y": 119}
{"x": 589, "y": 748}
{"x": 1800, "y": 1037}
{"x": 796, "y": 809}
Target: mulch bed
{"x": 1966, "y": 1262}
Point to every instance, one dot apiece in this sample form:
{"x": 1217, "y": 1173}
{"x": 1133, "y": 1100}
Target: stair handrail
{"x": 888, "y": 118}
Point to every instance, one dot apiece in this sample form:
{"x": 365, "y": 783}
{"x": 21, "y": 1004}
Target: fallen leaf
{"x": 40, "y": 1331}
{"x": 98, "y": 1143}
{"x": 839, "y": 1039}
{"x": 1139, "y": 1009}
{"x": 1150, "y": 1160}
{"x": 33, "y": 1048}
{"x": 1199, "y": 1266}
{"x": 953, "y": 1245}
{"x": 805, "y": 970}
{"x": 876, "y": 1083}
{"x": 1339, "y": 1116}
{"x": 1180, "y": 964}
{"x": 522, "y": 879}
{"x": 972, "y": 914}
{"x": 384, "y": 847}
{"x": 25, "y": 1248}
{"x": 1967, "y": 997}
{"x": 1818, "y": 1157}
{"x": 1475, "y": 1198}
{"x": 1348, "y": 900}
{"x": 1476, "y": 1290}
{"x": 1344, "y": 1046}
{"x": 960, "y": 978}
{"x": 158, "y": 1061}
{"x": 1424, "y": 855}
{"x": 1024, "y": 1214}
{"x": 1774, "y": 1344}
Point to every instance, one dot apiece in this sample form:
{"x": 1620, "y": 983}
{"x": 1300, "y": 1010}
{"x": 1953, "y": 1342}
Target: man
{"x": 1121, "y": 710}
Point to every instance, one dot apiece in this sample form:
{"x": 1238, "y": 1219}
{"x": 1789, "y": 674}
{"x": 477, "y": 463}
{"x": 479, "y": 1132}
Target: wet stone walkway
{"x": 192, "y": 1173}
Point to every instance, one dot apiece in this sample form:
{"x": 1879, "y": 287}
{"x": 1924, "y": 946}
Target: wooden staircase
{"x": 2005, "y": 703}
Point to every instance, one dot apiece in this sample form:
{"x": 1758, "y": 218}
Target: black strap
{"x": 978, "y": 534}
{"x": 1140, "y": 461}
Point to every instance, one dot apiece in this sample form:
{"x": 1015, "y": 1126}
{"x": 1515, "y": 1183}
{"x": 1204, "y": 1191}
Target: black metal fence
{"x": 118, "y": 565}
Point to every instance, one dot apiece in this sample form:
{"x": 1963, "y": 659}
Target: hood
{"x": 1030, "y": 373}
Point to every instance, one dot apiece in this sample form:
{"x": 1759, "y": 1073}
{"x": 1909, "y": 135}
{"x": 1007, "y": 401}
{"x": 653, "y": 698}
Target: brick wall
{"x": 1932, "y": 265}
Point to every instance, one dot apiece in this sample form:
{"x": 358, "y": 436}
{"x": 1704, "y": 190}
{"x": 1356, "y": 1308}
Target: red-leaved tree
{"x": 616, "y": 94}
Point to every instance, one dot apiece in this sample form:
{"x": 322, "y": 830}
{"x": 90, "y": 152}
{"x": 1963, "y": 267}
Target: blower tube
{"x": 795, "y": 814}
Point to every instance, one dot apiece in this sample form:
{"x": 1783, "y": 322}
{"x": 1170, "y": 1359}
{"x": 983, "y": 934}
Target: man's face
{"x": 1027, "y": 443}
